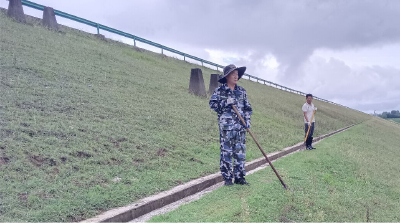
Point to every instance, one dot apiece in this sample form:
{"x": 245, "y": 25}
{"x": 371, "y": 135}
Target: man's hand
{"x": 308, "y": 123}
{"x": 245, "y": 126}
{"x": 230, "y": 101}
{"x": 315, "y": 108}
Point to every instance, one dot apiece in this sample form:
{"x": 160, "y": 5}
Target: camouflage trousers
{"x": 233, "y": 145}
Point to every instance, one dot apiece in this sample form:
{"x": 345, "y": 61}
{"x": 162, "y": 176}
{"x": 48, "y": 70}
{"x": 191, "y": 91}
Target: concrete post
{"x": 49, "y": 18}
{"x": 100, "y": 36}
{"x": 196, "y": 85}
{"x": 16, "y": 11}
{"x": 213, "y": 83}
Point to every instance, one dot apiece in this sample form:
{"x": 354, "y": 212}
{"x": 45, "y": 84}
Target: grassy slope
{"x": 352, "y": 176}
{"x": 63, "y": 142}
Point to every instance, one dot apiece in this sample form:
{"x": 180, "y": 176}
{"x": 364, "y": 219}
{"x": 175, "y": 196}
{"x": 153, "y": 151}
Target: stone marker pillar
{"x": 16, "y": 11}
{"x": 100, "y": 36}
{"x": 213, "y": 83}
{"x": 196, "y": 85}
{"x": 49, "y": 18}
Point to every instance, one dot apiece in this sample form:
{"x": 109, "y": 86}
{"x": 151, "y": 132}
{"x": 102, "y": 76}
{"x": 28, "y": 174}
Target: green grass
{"x": 63, "y": 141}
{"x": 394, "y": 119}
{"x": 352, "y": 176}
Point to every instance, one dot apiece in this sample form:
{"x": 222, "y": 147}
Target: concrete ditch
{"x": 195, "y": 189}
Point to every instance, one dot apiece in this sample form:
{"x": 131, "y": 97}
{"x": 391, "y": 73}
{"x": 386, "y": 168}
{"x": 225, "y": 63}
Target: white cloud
{"x": 380, "y": 54}
{"x": 365, "y": 88}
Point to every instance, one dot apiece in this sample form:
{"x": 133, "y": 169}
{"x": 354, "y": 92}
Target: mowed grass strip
{"x": 89, "y": 125}
{"x": 351, "y": 177}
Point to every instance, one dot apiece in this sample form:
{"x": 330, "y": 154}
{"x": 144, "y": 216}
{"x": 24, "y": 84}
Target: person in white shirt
{"x": 308, "y": 110}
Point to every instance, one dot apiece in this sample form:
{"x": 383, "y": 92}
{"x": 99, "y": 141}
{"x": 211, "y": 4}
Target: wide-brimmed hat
{"x": 228, "y": 69}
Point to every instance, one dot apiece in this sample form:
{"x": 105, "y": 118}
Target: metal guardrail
{"x": 162, "y": 47}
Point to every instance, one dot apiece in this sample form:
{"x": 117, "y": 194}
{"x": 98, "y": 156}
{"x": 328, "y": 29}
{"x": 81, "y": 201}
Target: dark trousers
{"x": 310, "y": 134}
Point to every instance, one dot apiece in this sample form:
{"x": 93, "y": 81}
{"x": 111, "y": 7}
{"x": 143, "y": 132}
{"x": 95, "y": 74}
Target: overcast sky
{"x": 344, "y": 51}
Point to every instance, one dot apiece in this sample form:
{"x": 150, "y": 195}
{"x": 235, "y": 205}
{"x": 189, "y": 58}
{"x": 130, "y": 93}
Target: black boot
{"x": 228, "y": 182}
{"x": 308, "y": 144}
{"x": 241, "y": 181}
{"x": 311, "y": 143}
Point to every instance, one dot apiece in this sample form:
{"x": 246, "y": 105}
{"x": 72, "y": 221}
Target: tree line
{"x": 392, "y": 114}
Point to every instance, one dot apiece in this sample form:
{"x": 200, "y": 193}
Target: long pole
{"x": 262, "y": 151}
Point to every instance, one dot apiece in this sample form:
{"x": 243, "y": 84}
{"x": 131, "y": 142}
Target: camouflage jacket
{"x": 227, "y": 118}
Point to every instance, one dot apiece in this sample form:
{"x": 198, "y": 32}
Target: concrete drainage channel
{"x": 190, "y": 191}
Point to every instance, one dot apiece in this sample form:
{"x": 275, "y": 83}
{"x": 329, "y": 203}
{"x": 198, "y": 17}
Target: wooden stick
{"x": 262, "y": 151}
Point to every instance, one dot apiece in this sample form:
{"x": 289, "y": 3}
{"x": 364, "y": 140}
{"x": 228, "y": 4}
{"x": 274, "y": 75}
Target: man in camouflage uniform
{"x": 232, "y": 131}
